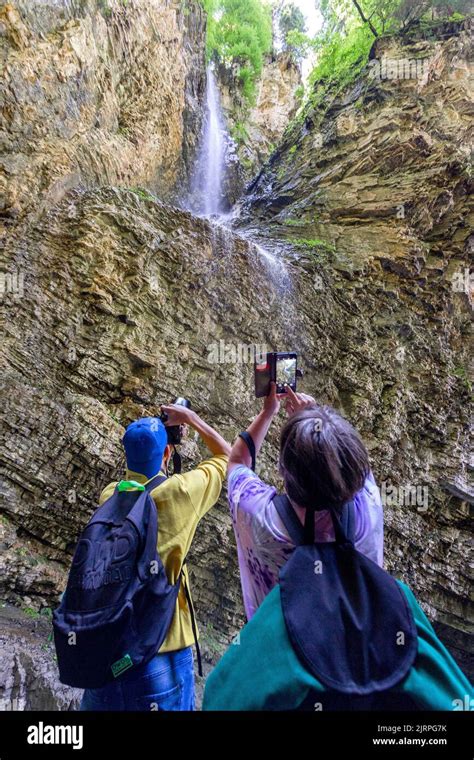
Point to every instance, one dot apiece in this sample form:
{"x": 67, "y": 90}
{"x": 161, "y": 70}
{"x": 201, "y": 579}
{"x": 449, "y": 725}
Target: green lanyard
{"x": 127, "y": 485}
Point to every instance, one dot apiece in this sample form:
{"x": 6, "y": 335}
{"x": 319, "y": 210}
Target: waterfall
{"x": 206, "y": 187}
{"x": 207, "y": 192}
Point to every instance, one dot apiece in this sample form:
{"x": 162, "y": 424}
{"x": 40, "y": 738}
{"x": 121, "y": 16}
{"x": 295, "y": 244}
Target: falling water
{"x": 206, "y": 190}
{"x": 207, "y": 196}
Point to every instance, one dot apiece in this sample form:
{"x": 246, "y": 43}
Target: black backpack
{"x": 348, "y": 620}
{"x": 118, "y": 604}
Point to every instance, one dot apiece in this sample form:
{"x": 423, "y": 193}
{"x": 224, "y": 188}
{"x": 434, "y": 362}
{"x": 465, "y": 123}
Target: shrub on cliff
{"x": 239, "y": 31}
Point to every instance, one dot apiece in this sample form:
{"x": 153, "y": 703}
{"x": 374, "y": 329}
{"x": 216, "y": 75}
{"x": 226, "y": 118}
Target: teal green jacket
{"x": 260, "y": 670}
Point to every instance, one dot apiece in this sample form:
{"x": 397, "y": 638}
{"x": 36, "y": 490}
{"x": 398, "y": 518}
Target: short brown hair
{"x": 322, "y": 458}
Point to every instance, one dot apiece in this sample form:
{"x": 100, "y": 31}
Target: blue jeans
{"x": 164, "y": 683}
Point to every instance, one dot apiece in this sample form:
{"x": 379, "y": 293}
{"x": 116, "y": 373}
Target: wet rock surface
{"x": 258, "y": 128}
{"x": 97, "y": 94}
{"x": 28, "y": 672}
{"x": 122, "y": 301}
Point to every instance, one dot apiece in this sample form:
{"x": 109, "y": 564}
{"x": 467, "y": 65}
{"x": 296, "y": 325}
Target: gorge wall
{"x": 98, "y": 93}
{"x": 372, "y": 189}
{"x": 257, "y": 128}
{"x": 362, "y": 215}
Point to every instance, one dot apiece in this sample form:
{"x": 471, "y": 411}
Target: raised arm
{"x": 257, "y": 429}
{"x": 180, "y": 415}
{"x": 261, "y": 424}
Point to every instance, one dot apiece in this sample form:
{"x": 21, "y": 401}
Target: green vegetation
{"x": 142, "y": 193}
{"x": 292, "y": 26}
{"x": 299, "y": 92}
{"x": 342, "y": 56}
{"x": 463, "y": 375}
{"x": 106, "y": 7}
{"x": 295, "y": 223}
{"x": 239, "y": 32}
{"x": 350, "y": 28}
{"x": 247, "y": 163}
{"x": 239, "y": 35}
{"x": 315, "y": 244}
{"x": 32, "y": 613}
{"x": 210, "y": 641}
{"x": 44, "y": 612}
{"x": 239, "y": 133}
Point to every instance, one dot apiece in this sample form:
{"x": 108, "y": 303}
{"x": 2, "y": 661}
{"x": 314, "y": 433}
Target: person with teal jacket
{"x": 261, "y": 671}
{"x": 334, "y": 631}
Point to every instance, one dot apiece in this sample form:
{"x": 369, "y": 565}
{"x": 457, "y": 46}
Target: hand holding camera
{"x": 279, "y": 367}
{"x": 178, "y": 415}
{"x": 174, "y": 416}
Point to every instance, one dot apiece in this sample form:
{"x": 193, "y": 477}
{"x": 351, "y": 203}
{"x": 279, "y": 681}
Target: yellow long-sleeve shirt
{"x": 181, "y": 502}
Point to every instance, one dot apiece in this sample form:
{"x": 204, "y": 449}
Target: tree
{"x": 290, "y": 19}
{"x": 350, "y": 27}
{"x": 364, "y": 19}
{"x": 292, "y": 28}
{"x": 412, "y": 10}
{"x": 240, "y": 31}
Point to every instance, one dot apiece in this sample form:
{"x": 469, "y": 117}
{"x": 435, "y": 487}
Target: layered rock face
{"x": 374, "y": 190}
{"x": 275, "y": 105}
{"x": 124, "y": 304}
{"x": 28, "y": 671}
{"x": 98, "y": 93}
{"x": 257, "y": 130}
{"x": 116, "y": 302}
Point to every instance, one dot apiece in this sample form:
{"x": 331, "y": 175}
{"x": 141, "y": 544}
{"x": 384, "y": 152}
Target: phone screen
{"x": 285, "y": 372}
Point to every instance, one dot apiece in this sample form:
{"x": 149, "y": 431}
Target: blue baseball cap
{"x": 144, "y": 442}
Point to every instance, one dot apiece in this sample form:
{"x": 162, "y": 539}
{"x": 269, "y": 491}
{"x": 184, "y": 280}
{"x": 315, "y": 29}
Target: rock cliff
{"x": 373, "y": 186}
{"x": 258, "y": 129}
{"x": 96, "y": 93}
{"x": 113, "y": 301}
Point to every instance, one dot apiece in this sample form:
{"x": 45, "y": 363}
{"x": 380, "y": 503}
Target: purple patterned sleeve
{"x": 369, "y": 521}
{"x": 263, "y": 544}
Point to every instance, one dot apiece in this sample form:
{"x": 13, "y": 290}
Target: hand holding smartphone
{"x": 279, "y": 367}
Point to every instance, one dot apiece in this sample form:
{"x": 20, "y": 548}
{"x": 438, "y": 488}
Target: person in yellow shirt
{"x": 166, "y": 682}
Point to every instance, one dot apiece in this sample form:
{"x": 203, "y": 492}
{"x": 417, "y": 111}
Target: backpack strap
{"x": 155, "y": 482}
{"x": 126, "y": 485}
{"x": 193, "y": 618}
{"x": 289, "y": 518}
{"x": 250, "y": 445}
{"x": 348, "y": 521}
{"x": 344, "y": 526}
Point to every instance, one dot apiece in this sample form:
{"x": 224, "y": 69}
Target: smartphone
{"x": 279, "y": 367}
{"x": 285, "y": 372}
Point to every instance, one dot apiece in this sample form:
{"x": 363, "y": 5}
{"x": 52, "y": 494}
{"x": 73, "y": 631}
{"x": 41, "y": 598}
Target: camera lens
{"x": 180, "y": 401}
